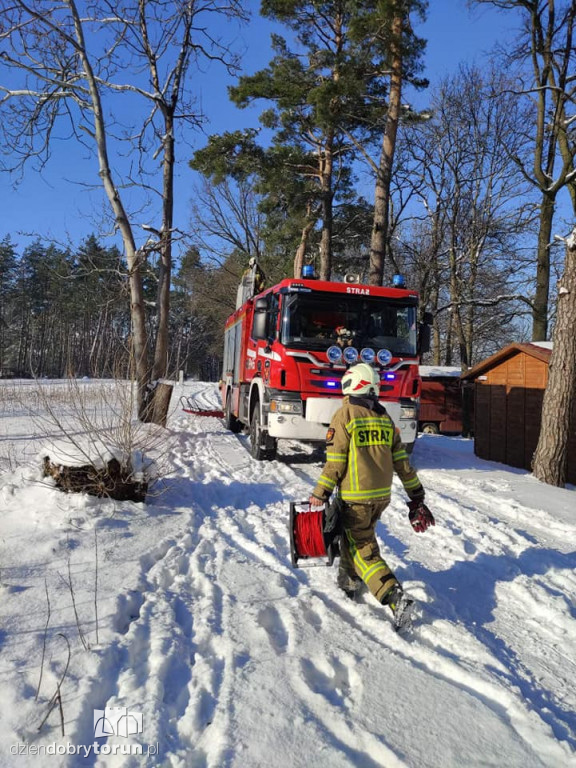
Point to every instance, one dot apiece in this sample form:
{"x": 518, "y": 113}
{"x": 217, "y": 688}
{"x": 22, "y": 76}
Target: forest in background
{"x": 66, "y": 313}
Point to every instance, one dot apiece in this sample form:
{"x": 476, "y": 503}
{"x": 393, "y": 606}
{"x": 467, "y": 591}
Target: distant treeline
{"x": 66, "y": 312}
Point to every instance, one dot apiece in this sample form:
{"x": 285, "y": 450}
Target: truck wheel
{"x": 230, "y": 421}
{"x": 430, "y": 429}
{"x": 271, "y": 447}
{"x": 262, "y": 447}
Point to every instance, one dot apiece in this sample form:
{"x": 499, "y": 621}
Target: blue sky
{"x": 57, "y": 204}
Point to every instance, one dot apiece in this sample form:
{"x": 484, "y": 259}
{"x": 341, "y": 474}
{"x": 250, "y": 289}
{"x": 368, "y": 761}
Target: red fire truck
{"x": 285, "y": 351}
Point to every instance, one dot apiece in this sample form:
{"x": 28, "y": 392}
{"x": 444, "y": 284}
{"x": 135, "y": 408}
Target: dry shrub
{"x": 92, "y": 439}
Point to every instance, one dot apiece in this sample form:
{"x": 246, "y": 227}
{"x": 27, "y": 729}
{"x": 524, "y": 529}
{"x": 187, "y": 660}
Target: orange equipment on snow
{"x": 191, "y": 405}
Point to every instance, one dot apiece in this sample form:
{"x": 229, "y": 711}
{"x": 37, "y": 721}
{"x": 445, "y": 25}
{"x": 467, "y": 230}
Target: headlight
{"x": 408, "y": 412}
{"x": 350, "y": 355}
{"x": 384, "y": 356}
{"x": 285, "y": 406}
{"x": 367, "y": 355}
{"x": 334, "y": 354}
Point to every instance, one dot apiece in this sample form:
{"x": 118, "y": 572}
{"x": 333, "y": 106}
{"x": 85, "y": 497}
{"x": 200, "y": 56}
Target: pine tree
{"x": 236, "y": 167}
{"x": 383, "y": 32}
{"x": 319, "y": 89}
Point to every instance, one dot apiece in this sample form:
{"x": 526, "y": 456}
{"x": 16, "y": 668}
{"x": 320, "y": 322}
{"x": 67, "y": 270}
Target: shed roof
{"x": 534, "y": 350}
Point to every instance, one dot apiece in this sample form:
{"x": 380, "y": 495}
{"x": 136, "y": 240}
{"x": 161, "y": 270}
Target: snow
{"x": 429, "y": 371}
{"x": 234, "y": 658}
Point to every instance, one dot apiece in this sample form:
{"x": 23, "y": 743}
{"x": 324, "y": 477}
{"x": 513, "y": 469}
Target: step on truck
{"x": 286, "y": 349}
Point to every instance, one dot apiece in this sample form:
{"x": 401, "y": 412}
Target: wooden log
{"x": 114, "y": 481}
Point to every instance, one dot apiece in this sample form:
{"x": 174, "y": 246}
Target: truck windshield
{"x": 318, "y": 320}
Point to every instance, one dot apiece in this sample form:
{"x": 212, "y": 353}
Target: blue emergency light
{"x": 350, "y": 355}
{"x": 308, "y": 271}
{"x": 384, "y": 356}
{"x": 334, "y": 354}
{"x": 367, "y": 355}
{"x": 398, "y": 281}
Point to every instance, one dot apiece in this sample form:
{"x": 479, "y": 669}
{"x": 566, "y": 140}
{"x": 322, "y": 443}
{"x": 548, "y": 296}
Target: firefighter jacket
{"x": 363, "y": 449}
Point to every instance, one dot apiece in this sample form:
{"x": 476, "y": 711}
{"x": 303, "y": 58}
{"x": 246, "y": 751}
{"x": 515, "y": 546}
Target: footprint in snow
{"x": 332, "y": 677}
{"x": 269, "y": 619}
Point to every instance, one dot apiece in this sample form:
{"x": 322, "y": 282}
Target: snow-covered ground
{"x": 190, "y": 614}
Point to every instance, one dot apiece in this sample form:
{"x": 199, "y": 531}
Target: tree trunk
{"x": 160, "y": 404}
{"x": 133, "y": 256}
{"x": 449, "y": 329}
{"x": 153, "y": 410}
{"x": 540, "y": 311}
{"x": 161, "y": 350}
{"x": 383, "y": 177}
{"x": 326, "y": 165}
{"x": 550, "y": 459}
{"x": 434, "y": 298}
{"x": 301, "y": 250}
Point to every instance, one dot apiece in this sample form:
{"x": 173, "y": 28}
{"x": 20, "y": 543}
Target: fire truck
{"x": 286, "y": 349}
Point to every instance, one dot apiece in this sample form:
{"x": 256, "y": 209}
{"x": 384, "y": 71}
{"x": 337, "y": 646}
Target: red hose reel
{"x": 313, "y": 533}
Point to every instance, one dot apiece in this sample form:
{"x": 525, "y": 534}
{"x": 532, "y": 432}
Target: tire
{"x": 262, "y": 447}
{"x": 430, "y": 429}
{"x": 230, "y": 421}
{"x": 272, "y": 448}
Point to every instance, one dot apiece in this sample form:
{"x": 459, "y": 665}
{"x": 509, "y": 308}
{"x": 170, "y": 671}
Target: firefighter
{"x": 345, "y": 337}
{"x": 363, "y": 449}
{"x": 256, "y": 275}
{"x": 253, "y": 281}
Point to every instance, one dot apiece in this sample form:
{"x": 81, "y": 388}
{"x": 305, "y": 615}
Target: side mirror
{"x": 260, "y": 322}
{"x": 261, "y": 305}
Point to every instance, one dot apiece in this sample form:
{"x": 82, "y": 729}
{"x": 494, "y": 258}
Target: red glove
{"x": 420, "y": 516}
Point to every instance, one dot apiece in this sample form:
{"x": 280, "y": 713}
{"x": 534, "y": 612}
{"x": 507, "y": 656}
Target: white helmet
{"x": 361, "y": 379}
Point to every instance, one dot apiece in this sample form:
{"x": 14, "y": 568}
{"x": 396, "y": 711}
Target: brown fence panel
{"x": 532, "y": 420}
{"x": 482, "y": 420}
{"x": 498, "y": 423}
{"x": 515, "y": 452}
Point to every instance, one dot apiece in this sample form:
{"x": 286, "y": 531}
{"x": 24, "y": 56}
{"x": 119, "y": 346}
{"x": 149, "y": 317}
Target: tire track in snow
{"x": 275, "y": 619}
{"x": 226, "y": 626}
{"x": 183, "y": 672}
{"x": 501, "y": 541}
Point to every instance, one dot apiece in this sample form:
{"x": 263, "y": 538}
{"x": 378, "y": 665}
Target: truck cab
{"x": 287, "y": 348}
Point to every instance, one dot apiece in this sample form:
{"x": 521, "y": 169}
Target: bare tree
{"x": 226, "y": 219}
{"x": 545, "y": 56}
{"x": 67, "y": 60}
{"x": 547, "y": 44}
{"x": 473, "y": 211}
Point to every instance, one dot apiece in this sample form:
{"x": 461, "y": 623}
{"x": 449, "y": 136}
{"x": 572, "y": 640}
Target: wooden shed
{"x": 508, "y": 394}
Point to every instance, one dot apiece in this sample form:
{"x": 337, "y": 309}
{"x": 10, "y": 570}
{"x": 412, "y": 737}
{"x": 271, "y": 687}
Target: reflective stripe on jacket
{"x": 363, "y": 449}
